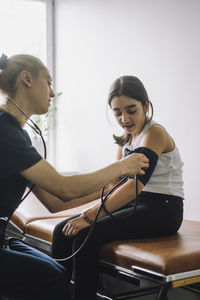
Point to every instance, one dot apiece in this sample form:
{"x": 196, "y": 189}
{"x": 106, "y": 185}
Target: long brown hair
{"x": 131, "y": 87}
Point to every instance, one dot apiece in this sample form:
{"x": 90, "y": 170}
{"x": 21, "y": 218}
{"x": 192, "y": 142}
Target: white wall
{"x": 98, "y": 41}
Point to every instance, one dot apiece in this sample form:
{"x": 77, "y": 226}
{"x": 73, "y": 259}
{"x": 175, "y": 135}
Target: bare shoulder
{"x": 157, "y": 130}
{"x": 158, "y": 139}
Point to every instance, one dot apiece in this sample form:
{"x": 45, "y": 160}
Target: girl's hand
{"x": 74, "y": 226}
{"x": 134, "y": 164}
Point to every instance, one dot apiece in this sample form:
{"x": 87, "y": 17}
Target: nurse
{"x": 25, "y": 272}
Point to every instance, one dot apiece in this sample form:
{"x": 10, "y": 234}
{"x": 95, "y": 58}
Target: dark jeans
{"x": 29, "y": 274}
{"x": 156, "y": 215}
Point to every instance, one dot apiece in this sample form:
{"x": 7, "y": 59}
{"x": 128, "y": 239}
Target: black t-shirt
{"x": 16, "y": 154}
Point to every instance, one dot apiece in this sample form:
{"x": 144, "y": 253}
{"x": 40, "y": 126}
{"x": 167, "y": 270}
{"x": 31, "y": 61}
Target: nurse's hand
{"x": 134, "y": 164}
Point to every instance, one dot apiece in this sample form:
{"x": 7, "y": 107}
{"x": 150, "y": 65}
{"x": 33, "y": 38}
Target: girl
{"x": 160, "y": 207}
{"x": 26, "y": 272}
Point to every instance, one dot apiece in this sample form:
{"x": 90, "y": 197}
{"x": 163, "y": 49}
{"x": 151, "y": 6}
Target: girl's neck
{"x": 135, "y": 136}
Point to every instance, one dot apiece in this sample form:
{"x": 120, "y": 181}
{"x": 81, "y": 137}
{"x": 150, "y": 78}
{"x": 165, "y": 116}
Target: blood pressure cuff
{"x": 153, "y": 158}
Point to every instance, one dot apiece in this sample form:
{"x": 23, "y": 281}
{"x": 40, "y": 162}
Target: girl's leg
{"x": 30, "y": 274}
{"x": 151, "y": 218}
{"x": 62, "y": 246}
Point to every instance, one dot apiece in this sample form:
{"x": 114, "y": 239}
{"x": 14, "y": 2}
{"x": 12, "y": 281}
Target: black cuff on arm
{"x": 153, "y": 158}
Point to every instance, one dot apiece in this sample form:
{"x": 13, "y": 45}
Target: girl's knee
{"x": 58, "y": 228}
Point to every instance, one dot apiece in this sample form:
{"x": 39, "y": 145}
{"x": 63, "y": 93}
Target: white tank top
{"x": 167, "y": 176}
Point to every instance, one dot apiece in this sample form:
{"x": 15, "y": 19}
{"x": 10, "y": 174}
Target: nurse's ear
{"x": 26, "y": 78}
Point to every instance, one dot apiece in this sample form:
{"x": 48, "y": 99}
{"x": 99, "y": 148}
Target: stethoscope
{"x": 5, "y": 220}
{"x": 33, "y": 126}
{"x": 103, "y": 197}
{"x": 37, "y": 130}
{"x": 102, "y": 206}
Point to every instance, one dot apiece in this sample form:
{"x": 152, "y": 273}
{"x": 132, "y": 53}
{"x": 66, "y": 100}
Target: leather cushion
{"x": 164, "y": 255}
{"x": 42, "y": 229}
